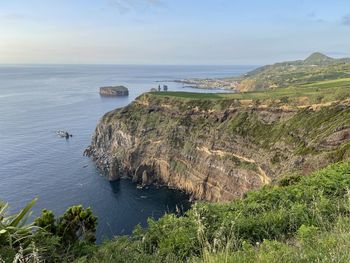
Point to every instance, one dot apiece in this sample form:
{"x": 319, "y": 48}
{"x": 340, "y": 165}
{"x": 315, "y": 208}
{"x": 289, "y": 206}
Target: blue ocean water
{"x": 38, "y": 100}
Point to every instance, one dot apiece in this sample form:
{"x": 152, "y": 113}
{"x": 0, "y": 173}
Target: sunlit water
{"x": 35, "y": 101}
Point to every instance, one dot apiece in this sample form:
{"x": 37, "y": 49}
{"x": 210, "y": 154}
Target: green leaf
{"x": 3, "y": 209}
{"x": 22, "y": 214}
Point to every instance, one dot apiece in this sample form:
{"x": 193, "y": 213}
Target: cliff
{"x": 217, "y": 149}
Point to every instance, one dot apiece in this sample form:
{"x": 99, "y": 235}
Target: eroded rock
{"x": 211, "y": 153}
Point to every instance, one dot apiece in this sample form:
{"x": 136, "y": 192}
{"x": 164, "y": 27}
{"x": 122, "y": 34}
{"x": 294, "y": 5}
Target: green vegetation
{"x": 192, "y": 95}
{"x": 14, "y": 232}
{"x": 316, "y": 67}
{"x": 306, "y": 132}
{"x": 298, "y": 219}
{"x": 318, "y": 58}
{"x": 295, "y": 219}
{"x": 316, "y": 92}
{"x": 298, "y": 139}
{"x": 46, "y": 239}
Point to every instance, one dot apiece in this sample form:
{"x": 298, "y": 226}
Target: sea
{"x": 38, "y": 100}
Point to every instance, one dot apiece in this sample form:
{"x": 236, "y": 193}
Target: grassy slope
{"x": 317, "y": 92}
{"x": 315, "y": 68}
{"x": 301, "y": 219}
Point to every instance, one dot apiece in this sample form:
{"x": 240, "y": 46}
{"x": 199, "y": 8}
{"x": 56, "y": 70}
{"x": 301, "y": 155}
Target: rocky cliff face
{"x": 216, "y": 150}
{"x": 114, "y": 91}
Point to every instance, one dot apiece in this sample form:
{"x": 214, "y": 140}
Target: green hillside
{"x": 296, "y": 95}
{"x": 318, "y": 58}
{"x": 297, "y": 219}
{"x": 316, "y": 67}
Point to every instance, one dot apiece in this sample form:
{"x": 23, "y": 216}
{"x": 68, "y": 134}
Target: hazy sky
{"x": 171, "y": 31}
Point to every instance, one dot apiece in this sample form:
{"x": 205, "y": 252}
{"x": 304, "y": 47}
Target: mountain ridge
{"x": 317, "y": 58}
{"x": 316, "y": 67}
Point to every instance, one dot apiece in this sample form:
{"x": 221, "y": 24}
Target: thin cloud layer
{"x": 129, "y": 5}
{"x": 14, "y": 17}
{"x": 346, "y": 20}
{"x": 170, "y": 32}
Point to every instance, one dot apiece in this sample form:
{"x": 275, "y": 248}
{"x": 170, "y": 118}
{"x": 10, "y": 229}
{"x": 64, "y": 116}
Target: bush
{"x": 278, "y": 223}
{"x": 15, "y": 234}
{"x": 47, "y": 239}
{"x": 302, "y": 219}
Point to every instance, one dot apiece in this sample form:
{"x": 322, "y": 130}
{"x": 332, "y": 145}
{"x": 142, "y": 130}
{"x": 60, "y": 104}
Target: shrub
{"x": 296, "y": 208}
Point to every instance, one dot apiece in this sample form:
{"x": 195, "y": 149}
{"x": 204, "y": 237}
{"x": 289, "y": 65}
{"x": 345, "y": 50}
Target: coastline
{"x": 212, "y": 83}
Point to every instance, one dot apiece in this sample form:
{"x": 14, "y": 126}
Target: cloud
{"x": 312, "y": 16}
{"x": 346, "y": 20}
{"x": 125, "y": 6}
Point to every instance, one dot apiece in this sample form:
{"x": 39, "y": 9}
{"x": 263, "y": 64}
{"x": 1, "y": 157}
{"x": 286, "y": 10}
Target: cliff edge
{"x": 214, "y": 149}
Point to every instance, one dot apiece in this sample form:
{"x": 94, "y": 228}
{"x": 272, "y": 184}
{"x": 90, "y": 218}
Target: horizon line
{"x": 120, "y": 64}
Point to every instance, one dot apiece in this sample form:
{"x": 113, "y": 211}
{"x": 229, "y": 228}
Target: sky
{"x": 195, "y": 32}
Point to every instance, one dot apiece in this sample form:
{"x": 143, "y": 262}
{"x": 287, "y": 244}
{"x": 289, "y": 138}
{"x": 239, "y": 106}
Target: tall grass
{"x": 301, "y": 220}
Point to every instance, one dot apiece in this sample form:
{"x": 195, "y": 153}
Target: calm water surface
{"x": 35, "y": 101}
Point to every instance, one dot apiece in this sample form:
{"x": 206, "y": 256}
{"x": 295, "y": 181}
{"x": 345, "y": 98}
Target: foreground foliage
{"x": 297, "y": 219}
{"x": 300, "y": 219}
{"x": 46, "y": 239}
{"x": 15, "y": 234}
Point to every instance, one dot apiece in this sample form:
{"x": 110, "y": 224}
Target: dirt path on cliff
{"x": 263, "y": 176}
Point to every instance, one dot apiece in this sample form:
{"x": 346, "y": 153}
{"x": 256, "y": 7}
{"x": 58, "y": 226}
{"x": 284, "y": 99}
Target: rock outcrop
{"x": 114, "y": 91}
{"x": 217, "y": 150}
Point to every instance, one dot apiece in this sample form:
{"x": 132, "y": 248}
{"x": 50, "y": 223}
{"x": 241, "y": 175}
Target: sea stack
{"x": 114, "y": 91}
